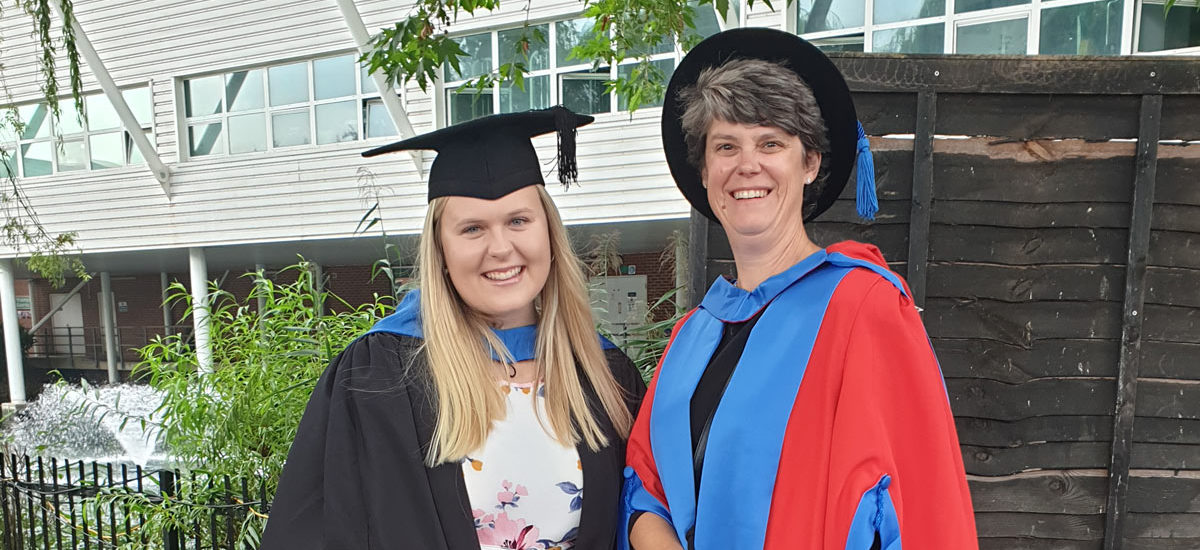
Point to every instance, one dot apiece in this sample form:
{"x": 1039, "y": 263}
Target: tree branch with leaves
{"x": 417, "y": 47}
{"x": 50, "y": 255}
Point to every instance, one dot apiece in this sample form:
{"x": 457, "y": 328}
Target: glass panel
{"x": 337, "y": 122}
{"x": 468, "y": 105}
{"x": 101, "y": 114}
{"x": 827, "y": 16}
{"x": 288, "y": 129}
{"x": 71, "y": 155}
{"x": 477, "y": 61}
{"x": 107, "y": 151}
{"x": 8, "y": 163}
{"x": 288, "y": 83}
{"x": 536, "y": 95}
{"x": 922, "y": 39}
{"x": 963, "y": 6}
{"x": 1085, "y": 29}
{"x": 368, "y": 83}
{"x": 35, "y": 158}
{"x": 244, "y": 90}
{"x": 205, "y": 139}
{"x": 140, "y": 103}
{"x": 1180, "y": 28}
{"x": 999, "y": 37}
{"x": 248, "y": 133}
{"x": 705, "y": 19}
{"x": 36, "y": 119}
{"x": 534, "y": 53}
{"x": 202, "y": 96}
{"x": 68, "y": 118}
{"x": 891, "y": 11}
{"x": 852, "y": 43}
{"x": 667, "y": 45}
{"x": 8, "y": 126}
{"x": 585, "y": 95}
{"x": 134, "y": 156}
{"x": 333, "y": 77}
{"x": 379, "y": 123}
{"x": 567, "y": 35}
{"x": 666, "y": 66}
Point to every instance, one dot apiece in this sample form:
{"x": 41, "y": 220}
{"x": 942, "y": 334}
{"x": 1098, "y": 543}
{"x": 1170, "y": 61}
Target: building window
{"x": 1082, "y": 29}
{"x": 88, "y": 136}
{"x": 1160, "y": 30}
{"x": 971, "y": 27}
{"x": 553, "y": 75}
{"x": 1005, "y": 36}
{"x": 314, "y": 102}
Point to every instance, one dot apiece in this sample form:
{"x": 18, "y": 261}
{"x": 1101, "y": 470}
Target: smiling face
{"x": 497, "y": 254}
{"x": 755, "y": 178}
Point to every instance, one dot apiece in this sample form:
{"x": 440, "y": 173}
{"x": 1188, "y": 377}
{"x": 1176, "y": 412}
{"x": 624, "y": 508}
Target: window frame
{"x": 360, "y": 98}
{"x": 56, "y": 139}
{"x": 952, "y": 21}
{"x": 557, "y": 73}
{"x": 1136, "y": 37}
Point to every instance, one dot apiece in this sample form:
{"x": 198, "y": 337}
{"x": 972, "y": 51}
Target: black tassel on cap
{"x": 565, "y": 122}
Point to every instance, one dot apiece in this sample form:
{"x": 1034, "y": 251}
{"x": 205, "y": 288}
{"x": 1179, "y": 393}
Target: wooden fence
{"x": 1046, "y": 213}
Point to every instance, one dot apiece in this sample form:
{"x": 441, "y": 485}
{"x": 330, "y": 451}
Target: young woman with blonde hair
{"x": 475, "y": 416}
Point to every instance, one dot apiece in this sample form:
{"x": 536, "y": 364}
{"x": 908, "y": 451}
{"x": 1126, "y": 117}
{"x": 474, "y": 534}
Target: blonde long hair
{"x": 568, "y": 353}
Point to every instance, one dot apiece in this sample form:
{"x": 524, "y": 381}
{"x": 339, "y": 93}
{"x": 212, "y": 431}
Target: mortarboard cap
{"x": 490, "y": 157}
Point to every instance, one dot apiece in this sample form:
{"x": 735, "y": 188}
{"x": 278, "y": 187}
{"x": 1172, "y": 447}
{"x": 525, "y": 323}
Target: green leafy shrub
{"x": 237, "y": 422}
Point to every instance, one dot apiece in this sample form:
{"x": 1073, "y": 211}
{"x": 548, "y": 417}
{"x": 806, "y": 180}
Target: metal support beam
{"x": 165, "y": 285}
{"x": 391, "y": 101}
{"x": 128, "y": 120}
{"x": 922, "y": 197}
{"x": 198, "y": 270}
{"x": 46, "y": 318}
{"x": 107, "y": 321}
{"x": 1132, "y": 319}
{"x": 318, "y": 283}
{"x": 12, "y": 334}
{"x": 261, "y": 270}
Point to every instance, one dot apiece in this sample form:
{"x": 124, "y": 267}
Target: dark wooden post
{"x": 922, "y": 196}
{"x": 166, "y": 483}
{"x": 697, "y": 258}
{"x": 1131, "y": 332}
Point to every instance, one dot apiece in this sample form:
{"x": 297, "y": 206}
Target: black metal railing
{"x": 84, "y": 347}
{"x": 48, "y": 504}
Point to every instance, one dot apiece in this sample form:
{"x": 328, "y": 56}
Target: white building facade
{"x": 259, "y": 109}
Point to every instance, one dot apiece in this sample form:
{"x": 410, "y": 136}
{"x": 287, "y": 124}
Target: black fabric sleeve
{"x": 628, "y": 377}
{"x": 355, "y": 477}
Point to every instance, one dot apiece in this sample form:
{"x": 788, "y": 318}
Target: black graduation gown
{"x": 355, "y": 477}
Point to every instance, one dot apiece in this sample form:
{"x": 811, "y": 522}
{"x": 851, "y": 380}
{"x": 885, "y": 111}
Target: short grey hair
{"x": 757, "y": 92}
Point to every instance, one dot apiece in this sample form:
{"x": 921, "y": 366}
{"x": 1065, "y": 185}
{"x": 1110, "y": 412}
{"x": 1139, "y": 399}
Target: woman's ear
{"x": 812, "y": 162}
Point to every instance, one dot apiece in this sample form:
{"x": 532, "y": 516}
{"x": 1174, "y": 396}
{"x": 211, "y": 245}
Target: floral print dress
{"x": 525, "y": 488}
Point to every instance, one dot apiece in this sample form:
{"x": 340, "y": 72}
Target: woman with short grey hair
{"x": 800, "y": 405}
{"x": 756, "y": 92}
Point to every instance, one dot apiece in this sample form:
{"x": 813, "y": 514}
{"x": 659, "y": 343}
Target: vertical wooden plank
{"x": 1131, "y": 332}
{"x": 697, "y": 258}
{"x": 922, "y": 196}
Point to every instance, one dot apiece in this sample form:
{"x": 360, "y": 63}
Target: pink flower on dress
{"x": 510, "y": 534}
{"x": 509, "y": 496}
{"x": 483, "y": 519}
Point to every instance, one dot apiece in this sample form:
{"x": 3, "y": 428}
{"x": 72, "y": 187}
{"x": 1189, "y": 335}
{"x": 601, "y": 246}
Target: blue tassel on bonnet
{"x": 867, "y": 202}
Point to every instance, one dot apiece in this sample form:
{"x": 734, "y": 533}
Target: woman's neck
{"x": 758, "y": 260}
{"x": 521, "y": 372}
